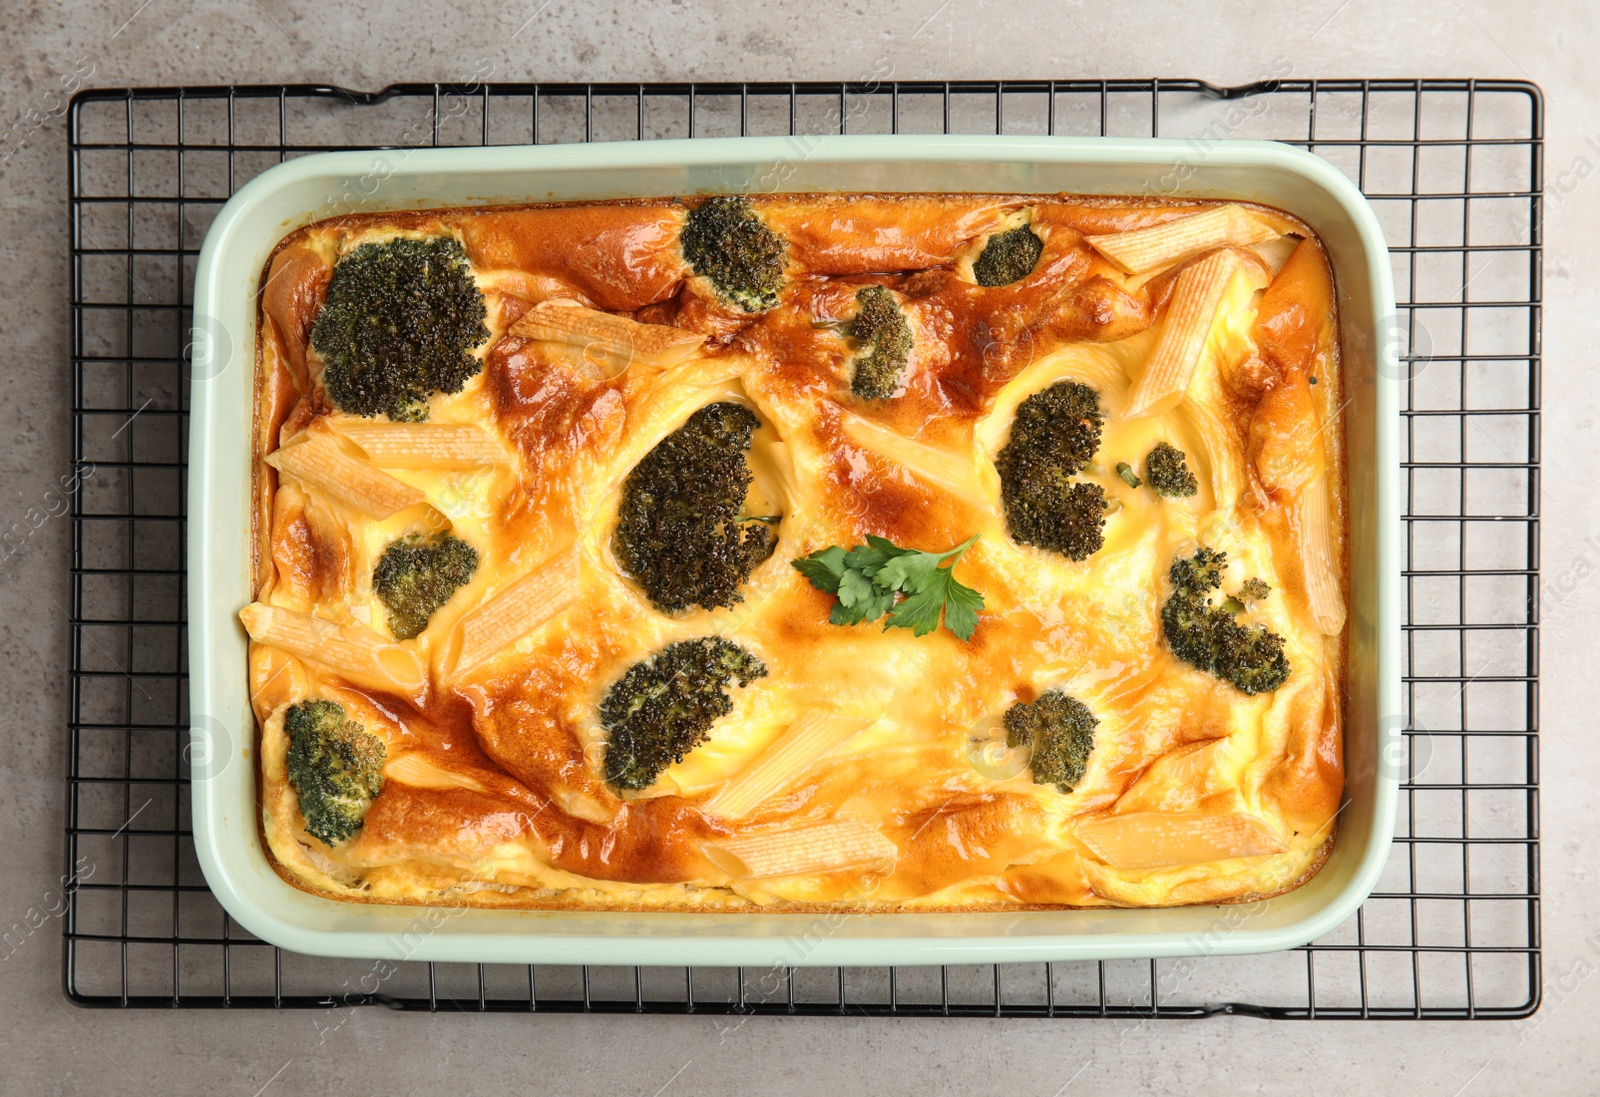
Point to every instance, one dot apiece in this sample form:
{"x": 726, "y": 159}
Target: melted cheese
{"x": 494, "y": 793}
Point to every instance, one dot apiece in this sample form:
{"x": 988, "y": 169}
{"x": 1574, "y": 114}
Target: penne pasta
{"x": 795, "y": 850}
{"x": 941, "y": 469}
{"x": 1221, "y": 457}
{"x": 319, "y": 463}
{"x": 1159, "y": 246}
{"x": 814, "y": 735}
{"x": 418, "y": 771}
{"x": 423, "y": 445}
{"x": 614, "y": 341}
{"x": 1314, "y": 526}
{"x": 357, "y": 653}
{"x": 1143, "y": 840}
{"x": 1196, "y": 300}
{"x": 517, "y": 609}
{"x": 1195, "y": 768}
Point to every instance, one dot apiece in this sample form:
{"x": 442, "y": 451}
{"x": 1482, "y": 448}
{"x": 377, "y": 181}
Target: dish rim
{"x": 226, "y": 826}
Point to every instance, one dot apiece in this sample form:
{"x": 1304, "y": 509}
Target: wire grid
{"x": 1454, "y": 169}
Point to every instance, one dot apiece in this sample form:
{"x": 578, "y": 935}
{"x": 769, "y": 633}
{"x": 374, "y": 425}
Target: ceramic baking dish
{"x": 226, "y": 814}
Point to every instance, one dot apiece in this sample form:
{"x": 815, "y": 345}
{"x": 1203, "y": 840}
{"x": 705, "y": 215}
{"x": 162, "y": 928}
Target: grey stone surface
{"x": 48, "y": 1046}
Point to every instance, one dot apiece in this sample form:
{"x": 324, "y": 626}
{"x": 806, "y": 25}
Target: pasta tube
{"x": 943, "y": 470}
{"x": 423, "y": 445}
{"x": 418, "y": 771}
{"x": 814, "y": 735}
{"x": 1314, "y": 526}
{"x": 358, "y": 653}
{"x": 1170, "y": 242}
{"x": 1196, "y": 300}
{"x": 517, "y": 609}
{"x": 320, "y": 463}
{"x": 1142, "y": 840}
{"x": 617, "y": 339}
{"x": 797, "y": 850}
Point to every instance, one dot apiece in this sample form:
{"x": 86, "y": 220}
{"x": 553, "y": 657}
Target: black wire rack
{"x": 1455, "y": 171}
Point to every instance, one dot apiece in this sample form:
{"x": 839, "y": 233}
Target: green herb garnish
{"x": 909, "y": 585}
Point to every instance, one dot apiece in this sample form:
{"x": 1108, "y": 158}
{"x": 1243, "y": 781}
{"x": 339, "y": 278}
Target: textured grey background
{"x": 48, "y": 1046}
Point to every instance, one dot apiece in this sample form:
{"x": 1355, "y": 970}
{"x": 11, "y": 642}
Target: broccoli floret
{"x": 1168, "y": 472}
{"x": 335, "y": 768}
{"x": 1060, "y": 728}
{"x": 399, "y": 325}
{"x": 880, "y": 330}
{"x": 724, "y": 241}
{"x": 1007, "y": 257}
{"x": 1249, "y": 657}
{"x": 1253, "y": 590}
{"x": 1053, "y": 437}
{"x": 679, "y": 532}
{"x": 663, "y": 707}
{"x": 416, "y": 575}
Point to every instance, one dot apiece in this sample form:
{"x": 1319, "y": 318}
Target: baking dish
{"x": 224, "y": 794}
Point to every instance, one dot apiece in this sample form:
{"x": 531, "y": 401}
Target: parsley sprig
{"x": 909, "y": 585}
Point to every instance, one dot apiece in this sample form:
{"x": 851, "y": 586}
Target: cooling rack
{"x": 1454, "y": 169}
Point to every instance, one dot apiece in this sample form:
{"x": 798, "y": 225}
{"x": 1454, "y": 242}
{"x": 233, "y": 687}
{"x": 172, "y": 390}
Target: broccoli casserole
{"x": 882, "y": 551}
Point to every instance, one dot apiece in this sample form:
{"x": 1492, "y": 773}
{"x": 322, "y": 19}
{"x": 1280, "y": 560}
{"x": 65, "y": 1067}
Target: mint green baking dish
{"x": 226, "y": 829}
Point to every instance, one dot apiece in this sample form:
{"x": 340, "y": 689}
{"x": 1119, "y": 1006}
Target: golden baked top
{"x": 601, "y": 551}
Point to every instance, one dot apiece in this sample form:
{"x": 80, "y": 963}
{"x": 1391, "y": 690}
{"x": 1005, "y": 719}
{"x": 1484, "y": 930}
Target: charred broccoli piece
{"x": 416, "y": 575}
{"x": 1253, "y": 590}
{"x": 1167, "y": 470}
{"x": 663, "y": 707}
{"x": 725, "y": 241}
{"x": 1055, "y": 434}
{"x": 399, "y": 324}
{"x": 334, "y": 766}
{"x": 879, "y": 328}
{"x": 1008, "y": 257}
{"x": 1070, "y": 520}
{"x": 1062, "y": 423}
{"x": 1249, "y": 657}
{"x": 1060, "y": 729}
{"x": 679, "y": 532}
